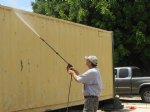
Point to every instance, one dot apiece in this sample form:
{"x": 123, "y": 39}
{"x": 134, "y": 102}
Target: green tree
{"x": 131, "y": 32}
{"x": 128, "y": 19}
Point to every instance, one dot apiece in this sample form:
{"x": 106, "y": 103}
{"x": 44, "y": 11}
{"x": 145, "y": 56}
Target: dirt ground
{"x": 133, "y": 104}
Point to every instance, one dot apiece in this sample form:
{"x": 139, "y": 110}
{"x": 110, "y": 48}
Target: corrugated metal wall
{"x": 32, "y": 76}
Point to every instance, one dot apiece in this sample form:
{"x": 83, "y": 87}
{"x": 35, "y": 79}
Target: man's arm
{"x": 83, "y": 78}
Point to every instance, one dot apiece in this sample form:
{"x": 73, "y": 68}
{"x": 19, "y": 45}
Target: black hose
{"x": 69, "y": 94}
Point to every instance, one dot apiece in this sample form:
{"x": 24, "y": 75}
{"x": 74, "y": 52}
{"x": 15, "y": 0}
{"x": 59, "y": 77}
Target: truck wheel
{"x": 145, "y": 95}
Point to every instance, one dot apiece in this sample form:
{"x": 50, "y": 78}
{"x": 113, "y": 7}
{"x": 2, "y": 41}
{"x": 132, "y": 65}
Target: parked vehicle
{"x": 131, "y": 81}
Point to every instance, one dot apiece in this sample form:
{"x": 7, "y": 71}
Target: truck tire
{"x": 145, "y": 95}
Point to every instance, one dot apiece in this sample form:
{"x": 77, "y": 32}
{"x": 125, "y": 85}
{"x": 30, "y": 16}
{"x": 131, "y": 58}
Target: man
{"x": 92, "y": 83}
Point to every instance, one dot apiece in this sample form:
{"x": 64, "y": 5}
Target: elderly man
{"x": 92, "y": 83}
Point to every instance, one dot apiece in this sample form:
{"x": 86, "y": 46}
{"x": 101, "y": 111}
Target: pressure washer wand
{"x": 69, "y": 65}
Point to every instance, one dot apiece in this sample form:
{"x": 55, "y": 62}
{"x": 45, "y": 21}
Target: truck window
{"x": 136, "y": 72}
{"x": 123, "y": 73}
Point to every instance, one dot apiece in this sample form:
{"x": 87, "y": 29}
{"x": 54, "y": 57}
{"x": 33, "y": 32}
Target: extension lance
{"x": 69, "y": 65}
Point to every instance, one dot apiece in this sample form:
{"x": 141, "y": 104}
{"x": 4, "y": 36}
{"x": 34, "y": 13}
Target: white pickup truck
{"x": 130, "y": 81}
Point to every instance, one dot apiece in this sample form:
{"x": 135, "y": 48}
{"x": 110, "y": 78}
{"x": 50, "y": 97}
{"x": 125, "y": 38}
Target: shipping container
{"x": 32, "y": 77}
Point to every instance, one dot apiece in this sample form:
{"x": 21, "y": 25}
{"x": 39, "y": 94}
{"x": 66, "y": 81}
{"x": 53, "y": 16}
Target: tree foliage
{"x": 128, "y": 19}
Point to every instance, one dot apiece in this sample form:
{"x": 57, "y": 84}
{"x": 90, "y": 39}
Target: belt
{"x": 91, "y": 96}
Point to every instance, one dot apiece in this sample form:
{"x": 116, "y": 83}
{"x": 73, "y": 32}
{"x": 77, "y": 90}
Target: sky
{"x": 19, "y": 4}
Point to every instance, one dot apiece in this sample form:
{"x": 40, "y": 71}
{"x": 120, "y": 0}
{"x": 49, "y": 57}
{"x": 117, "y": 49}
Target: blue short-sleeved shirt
{"x": 92, "y": 82}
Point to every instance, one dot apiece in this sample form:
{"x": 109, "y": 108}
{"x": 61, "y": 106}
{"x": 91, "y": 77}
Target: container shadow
{"x": 131, "y": 101}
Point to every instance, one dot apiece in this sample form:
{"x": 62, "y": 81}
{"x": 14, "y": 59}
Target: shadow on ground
{"x": 131, "y": 101}
{"x": 79, "y": 108}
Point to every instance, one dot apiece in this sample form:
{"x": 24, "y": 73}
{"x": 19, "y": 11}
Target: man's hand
{"x": 71, "y": 72}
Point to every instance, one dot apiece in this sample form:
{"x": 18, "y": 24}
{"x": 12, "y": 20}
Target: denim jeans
{"x": 91, "y": 104}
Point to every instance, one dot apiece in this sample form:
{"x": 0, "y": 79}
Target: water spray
{"x": 22, "y": 18}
